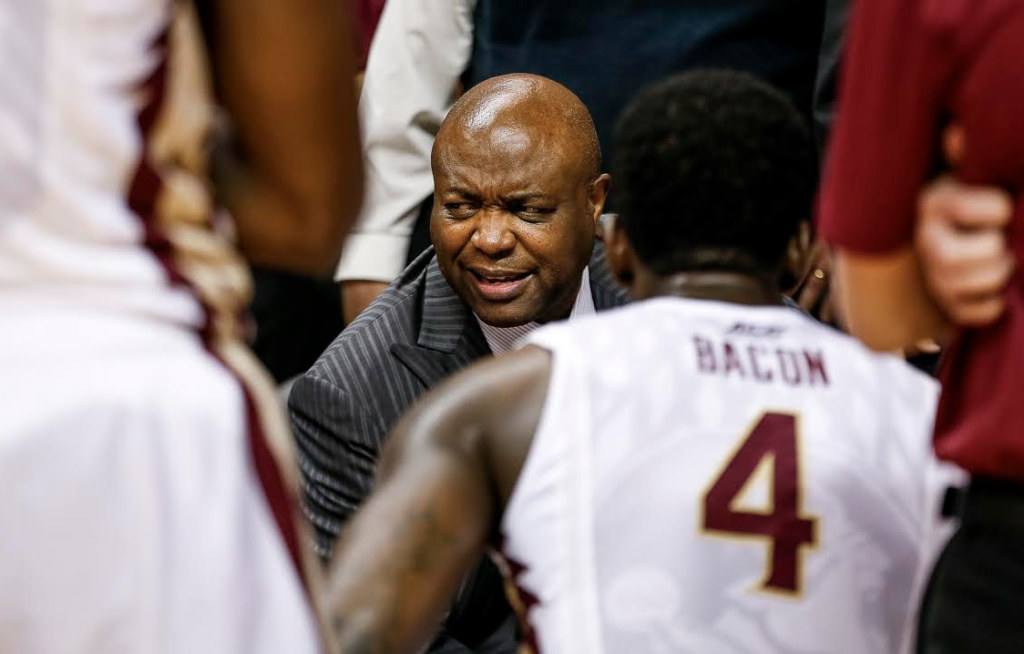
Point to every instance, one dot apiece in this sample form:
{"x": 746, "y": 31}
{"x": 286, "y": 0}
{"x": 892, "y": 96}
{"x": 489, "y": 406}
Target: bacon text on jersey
{"x": 760, "y": 363}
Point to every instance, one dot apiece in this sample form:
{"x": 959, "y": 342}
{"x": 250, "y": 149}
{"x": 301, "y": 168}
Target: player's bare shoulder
{"x": 489, "y": 410}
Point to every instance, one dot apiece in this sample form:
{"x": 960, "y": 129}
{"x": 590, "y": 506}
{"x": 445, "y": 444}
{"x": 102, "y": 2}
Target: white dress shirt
{"x": 506, "y": 339}
{"x": 420, "y": 50}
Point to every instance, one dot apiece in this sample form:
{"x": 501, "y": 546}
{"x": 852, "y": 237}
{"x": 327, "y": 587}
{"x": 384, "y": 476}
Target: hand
{"x": 962, "y": 248}
{"x": 961, "y": 243}
{"x": 356, "y": 295}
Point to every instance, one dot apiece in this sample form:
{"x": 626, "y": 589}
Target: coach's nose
{"x": 493, "y": 235}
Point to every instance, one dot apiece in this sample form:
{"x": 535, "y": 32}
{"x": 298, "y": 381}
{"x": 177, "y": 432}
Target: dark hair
{"x": 713, "y": 169}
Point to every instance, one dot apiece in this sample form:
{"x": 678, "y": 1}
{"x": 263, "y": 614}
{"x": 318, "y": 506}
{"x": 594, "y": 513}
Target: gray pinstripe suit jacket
{"x": 414, "y": 335}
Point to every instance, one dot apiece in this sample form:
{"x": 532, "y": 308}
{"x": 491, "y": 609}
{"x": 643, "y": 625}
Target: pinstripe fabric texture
{"x": 411, "y": 337}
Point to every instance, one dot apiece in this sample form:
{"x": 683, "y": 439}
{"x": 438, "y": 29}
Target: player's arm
{"x": 450, "y": 466}
{"x": 284, "y": 72}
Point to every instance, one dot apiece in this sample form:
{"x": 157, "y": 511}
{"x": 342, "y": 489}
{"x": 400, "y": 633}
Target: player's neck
{"x": 738, "y": 288}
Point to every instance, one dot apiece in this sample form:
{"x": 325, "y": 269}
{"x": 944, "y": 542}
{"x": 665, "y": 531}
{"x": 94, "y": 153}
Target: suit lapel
{"x": 431, "y": 366}
{"x": 449, "y": 336}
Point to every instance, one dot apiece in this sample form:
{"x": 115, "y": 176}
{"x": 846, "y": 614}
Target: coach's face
{"x": 514, "y": 219}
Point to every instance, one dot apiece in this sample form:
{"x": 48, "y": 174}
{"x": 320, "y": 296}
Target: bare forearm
{"x": 278, "y": 227}
{"x": 885, "y": 302}
{"x": 437, "y": 502}
{"x": 402, "y": 560}
{"x": 295, "y": 180}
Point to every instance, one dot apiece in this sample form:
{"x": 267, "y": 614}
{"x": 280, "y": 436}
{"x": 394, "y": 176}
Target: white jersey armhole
{"x": 555, "y": 486}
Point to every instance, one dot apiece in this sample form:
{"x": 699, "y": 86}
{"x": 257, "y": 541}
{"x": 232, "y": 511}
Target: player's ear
{"x": 619, "y": 251}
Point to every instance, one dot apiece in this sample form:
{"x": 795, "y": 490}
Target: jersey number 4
{"x": 772, "y": 443}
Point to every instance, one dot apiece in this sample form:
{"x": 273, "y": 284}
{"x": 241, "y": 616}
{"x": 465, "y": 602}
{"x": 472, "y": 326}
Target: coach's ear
{"x": 619, "y": 251}
{"x": 597, "y": 195}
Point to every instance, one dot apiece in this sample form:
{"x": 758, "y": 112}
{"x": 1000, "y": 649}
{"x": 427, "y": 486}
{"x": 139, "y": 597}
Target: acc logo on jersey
{"x": 746, "y": 329}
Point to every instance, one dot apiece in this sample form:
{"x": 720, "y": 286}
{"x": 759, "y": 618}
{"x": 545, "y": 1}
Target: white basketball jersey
{"x": 101, "y": 188}
{"x": 712, "y": 478}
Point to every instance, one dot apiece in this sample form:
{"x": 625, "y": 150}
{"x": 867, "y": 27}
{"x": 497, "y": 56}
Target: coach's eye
{"x": 531, "y": 212}
{"x": 460, "y": 209}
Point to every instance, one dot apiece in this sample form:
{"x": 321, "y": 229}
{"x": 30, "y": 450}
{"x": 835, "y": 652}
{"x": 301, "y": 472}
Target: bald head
{"x": 514, "y": 111}
{"x": 517, "y": 197}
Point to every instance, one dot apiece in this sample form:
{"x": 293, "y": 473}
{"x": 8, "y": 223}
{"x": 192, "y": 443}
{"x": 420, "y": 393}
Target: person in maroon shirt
{"x": 913, "y": 67}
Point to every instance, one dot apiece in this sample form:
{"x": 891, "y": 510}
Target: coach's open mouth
{"x": 499, "y": 285}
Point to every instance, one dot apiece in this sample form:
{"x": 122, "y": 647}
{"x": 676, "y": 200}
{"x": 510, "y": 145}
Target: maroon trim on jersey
{"x": 142, "y": 200}
{"x": 146, "y": 183}
{"x": 520, "y": 599}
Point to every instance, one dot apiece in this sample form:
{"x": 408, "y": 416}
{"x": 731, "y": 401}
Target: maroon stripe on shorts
{"x": 142, "y": 200}
{"x": 282, "y": 504}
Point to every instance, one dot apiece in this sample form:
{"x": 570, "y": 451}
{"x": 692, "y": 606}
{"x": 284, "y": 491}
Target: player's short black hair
{"x": 713, "y": 170}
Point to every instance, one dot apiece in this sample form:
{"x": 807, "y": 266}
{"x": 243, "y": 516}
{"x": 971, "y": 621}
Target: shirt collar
{"x": 505, "y": 339}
